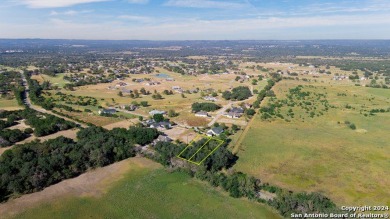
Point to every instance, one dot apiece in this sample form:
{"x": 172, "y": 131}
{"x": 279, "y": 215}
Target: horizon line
{"x": 161, "y": 40}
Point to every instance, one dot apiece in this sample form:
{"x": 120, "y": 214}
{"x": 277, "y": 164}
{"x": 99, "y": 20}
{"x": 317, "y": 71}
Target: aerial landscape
{"x": 194, "y": 109}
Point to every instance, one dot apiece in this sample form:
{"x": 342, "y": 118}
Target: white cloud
{"x": 335, "y": 27}
{"x": 136, "y": 18}
{"x": 344, "y": 7}
{"x": 206, "y": 4}
{"x": 55, "y": 3}
{"x": 70, "y": 12}
{"x": 138, "y": 1}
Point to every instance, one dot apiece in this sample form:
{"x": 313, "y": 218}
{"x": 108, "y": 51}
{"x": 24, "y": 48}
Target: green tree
{"x": 172, "y": 113}
{"x": 158, "y": 117}
{"x": 144, "y": 103}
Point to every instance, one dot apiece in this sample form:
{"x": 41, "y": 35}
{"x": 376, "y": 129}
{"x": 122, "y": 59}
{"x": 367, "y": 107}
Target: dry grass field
{"x": 322, "y": 153}
{"x": 110, "y": 98}
{"x": 11, "y": 104}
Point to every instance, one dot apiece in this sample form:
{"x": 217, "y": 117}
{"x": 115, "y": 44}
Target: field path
{"x": 237, "y": 147}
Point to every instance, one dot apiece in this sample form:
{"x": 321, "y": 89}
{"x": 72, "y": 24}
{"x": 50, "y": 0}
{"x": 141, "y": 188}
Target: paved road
{"x": 219, "y": 114}
{"x": 28, "y": 103}
{"x": 224, "y": 108}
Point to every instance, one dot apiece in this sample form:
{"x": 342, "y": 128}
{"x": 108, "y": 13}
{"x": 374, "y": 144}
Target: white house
{"x": 209, "y": 98}
{"x": 162, "y": 138}
{"x": 154, "y": 112}
{"x": 107, "y": 111}
{"x": 202, "y": 114}
{"x": 214, "y": 131}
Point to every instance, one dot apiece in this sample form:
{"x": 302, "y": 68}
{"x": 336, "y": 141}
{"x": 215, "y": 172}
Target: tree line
{"x": 238, "y": 184}
{"x": 208, "y": 107}
{"x": 33, "y": 166}
{"x": 265, "y": 91}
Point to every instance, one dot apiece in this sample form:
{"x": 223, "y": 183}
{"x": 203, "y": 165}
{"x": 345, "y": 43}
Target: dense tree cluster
{"x": 31, "y": 167}
{"x": 208, "y": 107}
{"x": 11, "y": 136}
{"x": 238, "y": 93}
{"x": 19, "y": 93}
{"x": 9, "y": 80}
{"x": 218, "y": 159}
{"x": 301, "y": 203}
{"x": 6, "y": 123}
{"x": 43, "y": 124}
{"x": 47, "y": 124}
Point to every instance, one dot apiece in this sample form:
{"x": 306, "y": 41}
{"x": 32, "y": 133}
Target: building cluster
{"x": 235, "y": 112}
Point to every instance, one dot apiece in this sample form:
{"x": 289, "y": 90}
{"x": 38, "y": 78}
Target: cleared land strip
{"x": 237, "y": 146}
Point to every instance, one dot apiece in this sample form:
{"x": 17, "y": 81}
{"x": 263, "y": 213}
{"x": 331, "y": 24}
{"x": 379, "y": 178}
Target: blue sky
{"x": 195, "y": 19}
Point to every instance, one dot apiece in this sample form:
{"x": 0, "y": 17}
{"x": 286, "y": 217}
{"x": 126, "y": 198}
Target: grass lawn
{"x": 58, "y": 80}
{"x": 322, "y": 154}
{"x": 93, "y": 118}
{"x": 151, "y": 192}
{"x": 7, "y": 104}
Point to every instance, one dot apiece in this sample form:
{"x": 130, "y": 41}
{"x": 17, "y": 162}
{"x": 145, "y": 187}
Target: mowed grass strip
{"x": 9, "y": 104}
{"x": 153, "y": 193}
{"x": 57, "y": 80}
{"x": 322, "y": 153}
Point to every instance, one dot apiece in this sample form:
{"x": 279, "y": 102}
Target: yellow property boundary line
{"x": 191, "y": 144}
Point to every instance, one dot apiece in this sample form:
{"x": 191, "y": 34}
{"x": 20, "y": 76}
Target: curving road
{"x": 28, "y": 103}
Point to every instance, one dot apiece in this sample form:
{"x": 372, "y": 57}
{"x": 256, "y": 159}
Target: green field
{"x": 153, "y": 193}
{"x": 322, "y": 153}
{"x": 57, "y": 80}
{"x": 9, "y": 104}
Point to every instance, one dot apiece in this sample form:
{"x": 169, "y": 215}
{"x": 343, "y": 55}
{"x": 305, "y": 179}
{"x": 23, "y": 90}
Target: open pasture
{"x": 323, "y": 153}
{"x": 9, "y": 104}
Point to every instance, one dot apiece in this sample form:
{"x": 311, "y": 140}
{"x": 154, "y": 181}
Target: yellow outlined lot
{"x": 200, "y": 148}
